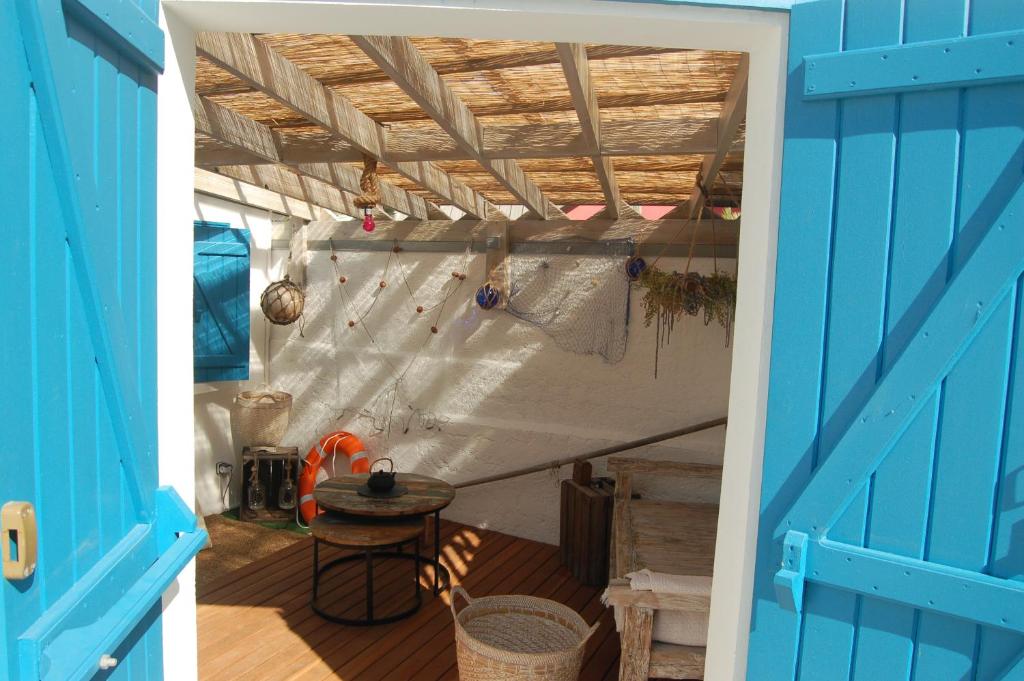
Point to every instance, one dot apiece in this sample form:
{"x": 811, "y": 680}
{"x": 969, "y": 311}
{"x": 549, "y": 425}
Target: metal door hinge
{"x": 20, "y": 539}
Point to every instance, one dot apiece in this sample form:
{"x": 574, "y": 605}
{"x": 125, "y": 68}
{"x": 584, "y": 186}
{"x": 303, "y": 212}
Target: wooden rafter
{"x": 400, "y": 59}
{"x": 550, "y": 140}
{"x": 646, "y": 232}
{"x": 256, "y": 139}
{"x": 573, "y": 57}
{"x": 247, "y": 58}
{"x": 281, "y": 181}
{"x": 513, "y": 60}
{"x": 733, "y": 112}
{"x": 231, "y": 189}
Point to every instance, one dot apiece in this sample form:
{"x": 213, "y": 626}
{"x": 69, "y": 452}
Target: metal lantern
{"x": 282, "y": 302}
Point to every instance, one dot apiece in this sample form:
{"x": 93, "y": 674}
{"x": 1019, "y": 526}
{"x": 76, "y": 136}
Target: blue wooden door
{"x": 220, "y": 278}
{"x": 78, "y": 340}
{"x": 890, "y": 541}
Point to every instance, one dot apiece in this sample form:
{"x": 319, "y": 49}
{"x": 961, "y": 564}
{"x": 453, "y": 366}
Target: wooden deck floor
{"x": 256, "y": 624}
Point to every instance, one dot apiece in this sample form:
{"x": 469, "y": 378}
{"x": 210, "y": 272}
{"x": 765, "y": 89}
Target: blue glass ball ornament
{"x": 487, "y": 296}
{"x": 635, "y": 267}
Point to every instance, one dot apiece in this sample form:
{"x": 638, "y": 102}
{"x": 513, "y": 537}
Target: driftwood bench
{"x": 672, "y": 537}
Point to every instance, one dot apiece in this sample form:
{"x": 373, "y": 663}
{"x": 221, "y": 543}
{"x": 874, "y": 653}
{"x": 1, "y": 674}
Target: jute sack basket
{"x": 259, "y": 418}
{"x": 518, "y": 638}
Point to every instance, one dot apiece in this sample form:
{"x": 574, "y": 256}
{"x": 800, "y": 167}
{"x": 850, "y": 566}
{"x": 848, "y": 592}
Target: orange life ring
{"x": 329, "y": 446}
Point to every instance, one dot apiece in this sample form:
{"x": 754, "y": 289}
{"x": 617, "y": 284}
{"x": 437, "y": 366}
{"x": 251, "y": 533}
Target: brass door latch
{"x": 20, "y": 539}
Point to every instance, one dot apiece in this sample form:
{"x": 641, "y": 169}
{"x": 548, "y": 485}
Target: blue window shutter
{"x": 221, "y": 302}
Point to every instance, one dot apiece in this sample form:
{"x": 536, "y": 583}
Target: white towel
{"x": 672, "y": 626}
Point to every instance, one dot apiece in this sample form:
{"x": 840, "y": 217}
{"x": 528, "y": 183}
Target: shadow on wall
{"x": 488, "y": 393}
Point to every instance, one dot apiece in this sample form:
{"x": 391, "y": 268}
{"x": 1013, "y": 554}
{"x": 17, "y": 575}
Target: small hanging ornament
{"x": 635, "y": 266}
{"x": 282, "y": 302}
{"x": 487, "y": 296}
{"x": 728, "y": 213}
{"x": 368, "y": 223}
{"x": 371, "y": 192}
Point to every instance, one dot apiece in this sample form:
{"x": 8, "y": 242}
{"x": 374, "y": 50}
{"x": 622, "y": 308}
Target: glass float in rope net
{"x": 282, "y": 302}
{"x": 488, "y": 296}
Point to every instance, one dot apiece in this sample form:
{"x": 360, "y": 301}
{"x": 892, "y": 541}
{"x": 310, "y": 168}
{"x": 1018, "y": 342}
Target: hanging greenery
{"x": 720, "y": 301}
{"x": 673, "y": 294}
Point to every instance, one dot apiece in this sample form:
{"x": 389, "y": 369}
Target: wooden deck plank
{"x": 255, "y": 623}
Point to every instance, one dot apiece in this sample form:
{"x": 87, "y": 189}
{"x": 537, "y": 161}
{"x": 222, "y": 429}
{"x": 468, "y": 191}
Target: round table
{"x": 426, "y": 496}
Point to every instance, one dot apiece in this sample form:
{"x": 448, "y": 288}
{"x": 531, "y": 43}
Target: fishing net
{"x": 580, "y": 300}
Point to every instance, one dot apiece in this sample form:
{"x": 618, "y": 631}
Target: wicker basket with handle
{"x": 518, "y": 638}
{"x": 259, "y": 418}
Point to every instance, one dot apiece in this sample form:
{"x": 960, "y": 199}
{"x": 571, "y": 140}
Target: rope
{"x": 614, "y": 449}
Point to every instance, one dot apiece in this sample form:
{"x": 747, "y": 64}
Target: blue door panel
{"x": 89, "y": 180}
{"x": 885, "y": 200}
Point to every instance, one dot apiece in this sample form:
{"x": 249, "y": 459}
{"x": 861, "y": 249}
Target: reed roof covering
{"x": 518, "y": 88}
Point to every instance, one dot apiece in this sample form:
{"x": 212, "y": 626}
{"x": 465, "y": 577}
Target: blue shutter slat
{"x": 221, "y": 300}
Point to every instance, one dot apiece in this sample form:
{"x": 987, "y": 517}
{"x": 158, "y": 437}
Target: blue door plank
{"x": 54, "y": 507}
{"x": 1006, "y": 560}
{"x": 997, "y": 649}
{"x": 143, "y": 88}
{"x": 923, "y": 216}
{"x": 19, "y": 602}
{"x": 967, "y": 456}
{"x": 899, "y": 506}
{"x": 82, "y": 450}
{"x": 857, "y": 296}
{"x": 804, "y": 247}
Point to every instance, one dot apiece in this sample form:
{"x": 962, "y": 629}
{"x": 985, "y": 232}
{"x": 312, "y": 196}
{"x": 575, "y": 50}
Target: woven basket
{"x": 259, "y": 418}
{"x": 518, "y": 638}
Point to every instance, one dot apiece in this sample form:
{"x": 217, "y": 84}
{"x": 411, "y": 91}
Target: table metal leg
{"x": 416, "y": 568}
{"x": 316, "y": 568}
{"x": 369, "y": 586}
{"x": 437, "y": 551}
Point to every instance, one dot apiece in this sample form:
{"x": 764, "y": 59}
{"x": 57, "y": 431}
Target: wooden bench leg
{"x": 635, "y": 659}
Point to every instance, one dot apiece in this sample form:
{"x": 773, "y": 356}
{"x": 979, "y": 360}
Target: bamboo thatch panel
{"x": 506, "y": 84}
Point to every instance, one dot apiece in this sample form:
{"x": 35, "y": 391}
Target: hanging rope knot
{"x": 369, "y": 184}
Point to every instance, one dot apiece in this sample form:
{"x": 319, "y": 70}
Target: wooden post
{"x": 635, "y": 659}
{"x": 497, "y": 260}
{"x": 621, "y": 541}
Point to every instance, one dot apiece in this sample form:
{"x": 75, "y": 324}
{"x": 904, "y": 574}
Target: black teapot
{"x": 382, "y": 481}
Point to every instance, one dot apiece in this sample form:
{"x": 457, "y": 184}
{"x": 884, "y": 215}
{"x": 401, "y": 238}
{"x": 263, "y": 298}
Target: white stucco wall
{"x": 503, "y": 394}
{"x": 212, "y": 401}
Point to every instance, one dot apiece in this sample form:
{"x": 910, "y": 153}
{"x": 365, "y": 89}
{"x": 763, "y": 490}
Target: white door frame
{"x": 761, "y": 33}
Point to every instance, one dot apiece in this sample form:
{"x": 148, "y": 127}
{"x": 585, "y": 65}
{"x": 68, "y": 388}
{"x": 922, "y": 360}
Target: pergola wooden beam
{"x": 733, "y": 111}
{"x": 645, "y": 232}
{"x": 410, "y": 70}
{"x": 249, "y": 59}
{"x": 254, "y": 138}
{"x": 360, "y": 76}
{"x": 231, "y": 189}
{"x": 281, "y": 181}
{"x": 550, "y": 140}
{"x": 573, "y": 57}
